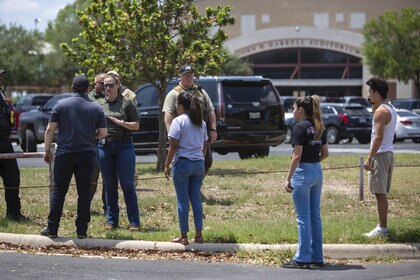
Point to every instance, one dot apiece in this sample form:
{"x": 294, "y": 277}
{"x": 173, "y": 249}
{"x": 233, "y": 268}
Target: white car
{"x": 408, "y": 126}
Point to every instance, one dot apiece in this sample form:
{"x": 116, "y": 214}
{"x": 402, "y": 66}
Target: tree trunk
{"x": 162, "y": 147}
{"x": 417, "y": 84}
{"x": 161, "y": 155}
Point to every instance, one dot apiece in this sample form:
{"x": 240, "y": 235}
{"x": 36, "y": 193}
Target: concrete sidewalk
{"x": 334, "y": 251}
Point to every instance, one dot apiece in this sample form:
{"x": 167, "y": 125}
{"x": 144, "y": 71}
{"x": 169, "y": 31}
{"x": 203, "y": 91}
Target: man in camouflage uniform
{"x": 169, "y": 107}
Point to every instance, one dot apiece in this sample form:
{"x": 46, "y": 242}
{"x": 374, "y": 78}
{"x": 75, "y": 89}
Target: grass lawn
{"x": 244, "y": 202}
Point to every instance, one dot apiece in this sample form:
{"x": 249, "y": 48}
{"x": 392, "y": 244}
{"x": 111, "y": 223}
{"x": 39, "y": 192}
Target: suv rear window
{"x": 356, "y": 111}
{"x": 245, "y": 92}
{"x": 40, "y": 100}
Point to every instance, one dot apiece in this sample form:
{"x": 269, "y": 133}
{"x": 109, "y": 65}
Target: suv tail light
{"x": 406, "y": 122}
{"x": 16, "y": 116}
{"x": 343, "y": 118}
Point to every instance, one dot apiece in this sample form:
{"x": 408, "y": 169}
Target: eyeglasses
{"x": 110, "y": 85}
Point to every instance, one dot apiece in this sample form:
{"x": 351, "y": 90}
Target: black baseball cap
{"x": 2, "y": 71}
{"x": 186, "y": 68}
{"x": 80, "y": 82}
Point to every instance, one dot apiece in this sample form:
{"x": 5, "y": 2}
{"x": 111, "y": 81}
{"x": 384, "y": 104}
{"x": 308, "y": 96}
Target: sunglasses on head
{"x": 110, "y": 85}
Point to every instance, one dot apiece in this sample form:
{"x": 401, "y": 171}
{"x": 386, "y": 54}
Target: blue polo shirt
{"x": 78, "y": 117}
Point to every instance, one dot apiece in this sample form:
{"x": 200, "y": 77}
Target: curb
{"x": 334, "y": 251}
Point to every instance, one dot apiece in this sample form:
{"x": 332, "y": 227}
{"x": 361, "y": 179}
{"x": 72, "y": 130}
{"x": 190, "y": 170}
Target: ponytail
{"x": 196, "y": 110}
{"x": 193, "y": 105}
{"x": 313, "y": 111}
{"x": 317, "y": 117}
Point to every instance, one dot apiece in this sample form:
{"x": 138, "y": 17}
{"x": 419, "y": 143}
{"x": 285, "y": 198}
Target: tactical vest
{"x": 197, "y": 92}
{"x": 6, "y": 116}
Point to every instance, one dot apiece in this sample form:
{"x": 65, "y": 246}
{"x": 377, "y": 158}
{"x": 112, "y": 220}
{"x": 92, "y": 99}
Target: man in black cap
{"x": 80, "y": 121}
{"x": 186, "y": 84}
{"x": 9, "y": 170}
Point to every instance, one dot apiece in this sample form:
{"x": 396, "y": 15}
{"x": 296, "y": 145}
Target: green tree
{"x": 235, "y": 66}
{"x": 20, "y": 51}
{"x": 148, "y": 40}
{"x": 392, "y": 46}
{"x": 59, "y": 68}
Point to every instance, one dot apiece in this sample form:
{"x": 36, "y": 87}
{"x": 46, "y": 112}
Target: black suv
{"x": 248, "y": 110}
{"x": 342, "y": 122}
{"x": 33, "y": 124}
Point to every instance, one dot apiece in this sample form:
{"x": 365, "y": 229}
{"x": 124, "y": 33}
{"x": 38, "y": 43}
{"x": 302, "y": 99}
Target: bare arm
{"x": 324, "y": 152}
{"x": 48, "y": 138}
{"x": 173, "y": 146}
{"x": 212, "y": 124}
{"x": 168, "y": 120}
{"x": 127, "y": 125}
{"x": 101, "y": 133}
{"x": 380, "y": 119}
{"x": 296, "y": 155}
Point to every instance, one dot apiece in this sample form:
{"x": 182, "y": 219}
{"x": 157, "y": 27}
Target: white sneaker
{"x": 377, "y": 231}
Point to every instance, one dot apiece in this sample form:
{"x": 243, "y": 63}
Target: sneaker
{"x": 46, "y": 232}
{"x": 377, "y": 231}
{"x": 111, "y": 226}
{"x": 294, "y": 264}
{"x": 134, "y": 228}
{"x": 81, "y": 236}
{"x": 318, "y": 264}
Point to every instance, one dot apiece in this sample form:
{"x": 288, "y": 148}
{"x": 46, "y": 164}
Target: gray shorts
{"x": 380, "y": 177}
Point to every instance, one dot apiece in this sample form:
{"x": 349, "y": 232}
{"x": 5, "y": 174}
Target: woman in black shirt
{"x": 304, "y": 180}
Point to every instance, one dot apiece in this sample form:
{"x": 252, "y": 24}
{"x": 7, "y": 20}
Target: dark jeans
{"x": 9, "y": 172}
{"x": 94, "y": 185}
{"x": 81, "y": 165}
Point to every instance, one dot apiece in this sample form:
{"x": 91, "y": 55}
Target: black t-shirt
{"x": 304, "y": 135}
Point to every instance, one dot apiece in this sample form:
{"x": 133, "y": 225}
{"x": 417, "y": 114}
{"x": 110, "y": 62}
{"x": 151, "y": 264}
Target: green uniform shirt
{"x": 122, "y": 109}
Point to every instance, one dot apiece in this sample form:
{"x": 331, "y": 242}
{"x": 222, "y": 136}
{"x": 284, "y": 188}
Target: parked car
{"x": 288, "y": 102}
{"x": 408, "y": 126}
{"x": 408, "y": 104}
{"x": 249, "y": 115}
{"x": 342, "y": 122}
{"x": 26, "y": 103}
{"x": 33, "y": 124}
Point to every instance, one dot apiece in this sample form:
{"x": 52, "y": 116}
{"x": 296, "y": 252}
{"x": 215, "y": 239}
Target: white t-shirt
{"x": 389, "y": 131}
{"x": 191, "y": 138}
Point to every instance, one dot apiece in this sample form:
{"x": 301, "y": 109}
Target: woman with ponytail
{"x": 187, "y": 147}
{"x": 304, "y": 180}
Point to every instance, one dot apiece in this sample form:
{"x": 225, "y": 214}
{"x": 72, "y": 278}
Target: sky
{"x": 24, "y": 12}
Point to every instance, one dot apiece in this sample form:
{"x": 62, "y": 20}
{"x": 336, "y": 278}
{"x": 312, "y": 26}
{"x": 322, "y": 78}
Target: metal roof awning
{"x": 317, "y": 82}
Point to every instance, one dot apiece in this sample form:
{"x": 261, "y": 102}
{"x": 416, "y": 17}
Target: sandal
{"x": 199, "y": 239}
{"x": 181, "y": 240}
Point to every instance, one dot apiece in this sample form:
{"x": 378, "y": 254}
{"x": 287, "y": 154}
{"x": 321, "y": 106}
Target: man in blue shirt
{"x": 80, "y": 121}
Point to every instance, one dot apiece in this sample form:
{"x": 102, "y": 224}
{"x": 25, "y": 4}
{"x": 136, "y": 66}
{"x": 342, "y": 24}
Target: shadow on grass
{"x": 405, "y": 236}
{"x": 216, "y": 201}
{"x": 144, "y": 190}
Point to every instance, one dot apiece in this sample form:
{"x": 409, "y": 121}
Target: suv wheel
{"x": 29, "y": 141}
{"x": 416, "y": 140}
{"x": 332, "y": 135}
{"x": 363, "y": 139}
{"x": 258, "y": 153}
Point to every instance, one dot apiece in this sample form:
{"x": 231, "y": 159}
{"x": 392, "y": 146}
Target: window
{"x": 237, "y": 92}
{"x": 321, "y": 20}
{"x": 357, "y": 20}
{"x": 147, "y": 97}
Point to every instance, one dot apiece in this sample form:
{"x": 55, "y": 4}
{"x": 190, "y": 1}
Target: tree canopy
{"x": 149, "y": 40}
{"x": 392, "y": 46}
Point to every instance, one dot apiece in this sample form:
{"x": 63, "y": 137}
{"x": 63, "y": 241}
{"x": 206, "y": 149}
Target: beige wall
{"x": 261, "y": 25}
{"x": 283, "y": 13}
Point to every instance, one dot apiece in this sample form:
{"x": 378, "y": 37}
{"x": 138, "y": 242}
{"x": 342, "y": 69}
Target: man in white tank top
{"x": 380, "y": 161}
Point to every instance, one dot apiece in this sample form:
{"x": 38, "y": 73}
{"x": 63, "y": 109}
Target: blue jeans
{"x": 80, "y": 164}
{"x": 307, "y": 185}
{"x": 117, "y": 161}
{"x": 188, "y": 177}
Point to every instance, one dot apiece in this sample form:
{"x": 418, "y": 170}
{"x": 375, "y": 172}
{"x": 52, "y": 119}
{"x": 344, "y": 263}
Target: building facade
{"x": 308, "y": 46}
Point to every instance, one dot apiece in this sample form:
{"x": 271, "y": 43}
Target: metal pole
{"x": 361, "y": 179}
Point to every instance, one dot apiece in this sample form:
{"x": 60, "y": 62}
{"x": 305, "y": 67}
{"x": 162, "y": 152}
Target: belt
{"x": 183, "y": 158}
{"x": 110, "y": 139}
